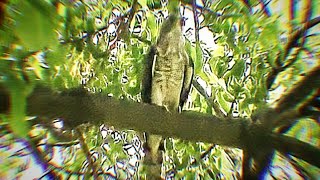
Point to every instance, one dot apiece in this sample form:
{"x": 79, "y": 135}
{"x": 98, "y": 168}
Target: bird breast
{"x": 168, "y": 71}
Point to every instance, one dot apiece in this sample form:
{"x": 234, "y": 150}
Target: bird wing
{"x": 187, "y": 81}
{"x": 146, "y": 84}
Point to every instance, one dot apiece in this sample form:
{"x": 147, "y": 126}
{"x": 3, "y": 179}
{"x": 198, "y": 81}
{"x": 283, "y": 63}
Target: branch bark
{"x": 77, "y": 109}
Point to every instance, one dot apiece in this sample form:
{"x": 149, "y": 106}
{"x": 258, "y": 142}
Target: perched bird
{"x": 167, "y": 78}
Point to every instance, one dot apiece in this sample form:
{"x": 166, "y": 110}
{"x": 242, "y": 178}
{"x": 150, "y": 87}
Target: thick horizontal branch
{"x": 79, "y": 108}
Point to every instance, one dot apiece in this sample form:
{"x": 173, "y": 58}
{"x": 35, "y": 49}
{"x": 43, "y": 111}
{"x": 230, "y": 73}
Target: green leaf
{"x": 225, "y": 105}
{"x": 238, "y": 68}
{"x": 90, "y": 25}
{"x": 18, "y": 93}
{"x": 152, "y": 25}
{"x": 196, "y": 55}
{"x": 57, "y": 57}
{"x": 198, "y": 60}
{"x": 173, "y": 6}
{"x": 154, "y": 4}
{"x": 143, "y": 3}
{"x": 219, "y": 66}
{"x": 34, "y": 28}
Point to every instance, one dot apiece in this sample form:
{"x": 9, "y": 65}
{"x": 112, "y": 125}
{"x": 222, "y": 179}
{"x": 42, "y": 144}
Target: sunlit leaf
{"x": 225, "y": 105}
{"x": 34, "y": 28}
{"x": 151, "y": 24}
{"x": 18, "y": 94}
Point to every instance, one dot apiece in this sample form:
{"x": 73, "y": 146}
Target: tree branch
{"x": 298, "y": 34}
{"x": 295, "y": 103}
{"x": 78, "y": 109}
{"x": 300, "y": 92}
{"x": 196, "y": 20}
{"x": 294, "y": 147}
{"x": 208, "y": 99}
{"x": 81, "y": 108}
{"x": 291, "y": 44}
{"x": 91, "y": 165}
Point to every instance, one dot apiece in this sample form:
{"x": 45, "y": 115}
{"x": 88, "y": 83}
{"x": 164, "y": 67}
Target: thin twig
{"x": 203, "y": 155}
{"x": 87, "y": 153}
{"x": 302, "y": 35}
{"x": 123, "y": 29}
{"x": 208, "y": 99}
{"x": 60, "y": 144}
{"x": 298, "y": 34}
{"x": 291, "y": 44}
{"x": 196, "y": 20}
{"x": 300, "y": 92}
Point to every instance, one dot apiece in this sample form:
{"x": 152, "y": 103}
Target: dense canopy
{"x": 70, "y": 89}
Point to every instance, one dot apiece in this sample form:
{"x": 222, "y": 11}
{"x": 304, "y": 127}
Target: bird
{"x": 166, "y": 79}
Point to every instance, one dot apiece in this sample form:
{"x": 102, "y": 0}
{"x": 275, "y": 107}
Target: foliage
{"x": 100, "y": 46}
